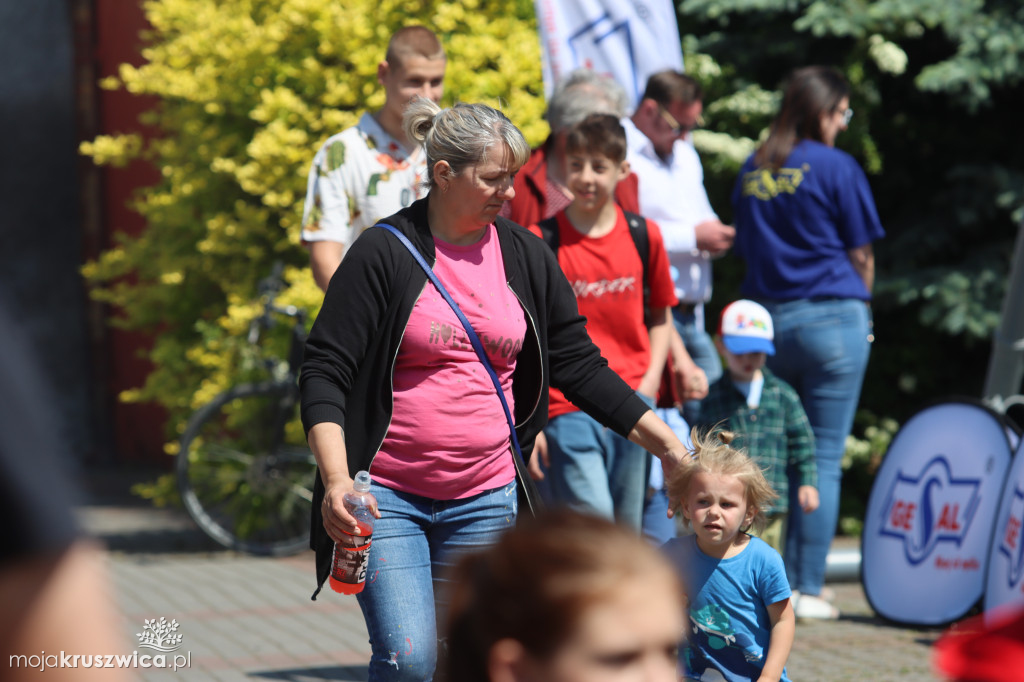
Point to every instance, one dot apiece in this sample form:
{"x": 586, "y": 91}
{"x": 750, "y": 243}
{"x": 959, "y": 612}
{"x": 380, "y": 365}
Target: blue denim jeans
{"x": 657, "y": 527}
{"x": 821, "y": 349}
{"x": 595, "y": 470}
{"x": 702, "y": 349}
{"x": 416, "y": 541}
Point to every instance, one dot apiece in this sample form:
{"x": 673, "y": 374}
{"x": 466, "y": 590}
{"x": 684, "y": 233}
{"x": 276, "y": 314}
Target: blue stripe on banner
{"x": 628, "y": 40}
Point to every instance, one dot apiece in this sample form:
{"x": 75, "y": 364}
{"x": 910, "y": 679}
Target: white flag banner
{"x": 630, "y": 40}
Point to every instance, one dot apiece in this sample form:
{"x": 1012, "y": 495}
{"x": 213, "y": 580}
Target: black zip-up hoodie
{"x": 350, "y": 354}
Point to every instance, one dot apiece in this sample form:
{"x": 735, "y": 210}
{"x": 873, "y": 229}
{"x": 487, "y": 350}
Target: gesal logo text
{"x": 930, "y": 508}
{"x": 1011, "y": 540}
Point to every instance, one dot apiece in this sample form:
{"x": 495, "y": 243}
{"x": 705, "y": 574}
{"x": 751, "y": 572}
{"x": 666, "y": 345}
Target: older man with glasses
{"x": 672, "y": 193}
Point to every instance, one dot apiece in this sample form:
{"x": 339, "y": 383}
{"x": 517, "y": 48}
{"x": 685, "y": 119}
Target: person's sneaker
{"x": 827, "y": 593}
{"x": 809, "y": 607}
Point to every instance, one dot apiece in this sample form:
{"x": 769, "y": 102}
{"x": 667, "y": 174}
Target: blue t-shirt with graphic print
{"x": 795, "y": 227}
{"x": 728, "y": 607}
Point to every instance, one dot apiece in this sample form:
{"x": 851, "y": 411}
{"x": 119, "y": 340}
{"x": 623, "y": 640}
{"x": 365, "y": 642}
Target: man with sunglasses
{"x": 672, "y": 194}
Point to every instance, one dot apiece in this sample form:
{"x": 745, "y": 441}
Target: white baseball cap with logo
{"x": 746, "y": 327}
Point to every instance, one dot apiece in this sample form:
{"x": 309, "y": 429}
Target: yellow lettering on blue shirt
{"x": 764, "y": 185}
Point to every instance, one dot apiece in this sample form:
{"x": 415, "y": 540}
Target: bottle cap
{"x": 362, "y": 482}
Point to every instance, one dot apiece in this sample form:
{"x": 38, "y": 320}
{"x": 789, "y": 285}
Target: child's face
{"x": 744, "y": 366}
{"x": 716, "y": 506}
{"x": 592, "y": 178}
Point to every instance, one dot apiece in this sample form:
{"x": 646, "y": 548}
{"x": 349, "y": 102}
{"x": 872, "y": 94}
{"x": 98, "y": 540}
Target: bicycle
{"x": 244, "y": 471}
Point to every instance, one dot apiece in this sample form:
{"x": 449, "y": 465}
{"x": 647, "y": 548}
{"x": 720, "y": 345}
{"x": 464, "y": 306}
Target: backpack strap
{"x": 524, "y": 482}
{"x": 549, "y": 232}
{"x": 637, "y": 230}
{"x": 641, "y": 239}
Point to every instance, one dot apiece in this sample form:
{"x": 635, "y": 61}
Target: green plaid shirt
{"x": 776, "y": 433}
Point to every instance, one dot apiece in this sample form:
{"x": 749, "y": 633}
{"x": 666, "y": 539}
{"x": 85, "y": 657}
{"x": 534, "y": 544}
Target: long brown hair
{"x": 810, "y": 92}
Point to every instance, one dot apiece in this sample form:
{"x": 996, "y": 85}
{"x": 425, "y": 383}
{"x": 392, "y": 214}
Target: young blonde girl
{"x": 742, "y": 622}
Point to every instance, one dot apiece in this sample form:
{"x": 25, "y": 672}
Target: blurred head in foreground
{"x": 565, "y": 597}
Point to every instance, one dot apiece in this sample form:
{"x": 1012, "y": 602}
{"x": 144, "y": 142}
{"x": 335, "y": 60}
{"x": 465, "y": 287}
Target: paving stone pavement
{"x": 250, "y": 618}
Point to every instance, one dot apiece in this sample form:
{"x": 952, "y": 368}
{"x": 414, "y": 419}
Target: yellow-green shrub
{"x": 247, "y": 91}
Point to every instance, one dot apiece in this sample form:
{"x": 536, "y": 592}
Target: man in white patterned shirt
{"x": 371, "y": 170}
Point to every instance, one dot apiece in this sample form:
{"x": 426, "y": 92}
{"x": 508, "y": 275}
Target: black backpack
{"x": 637, "y": 230}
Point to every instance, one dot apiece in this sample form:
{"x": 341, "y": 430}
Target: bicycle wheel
{"x": 245, "y": 473}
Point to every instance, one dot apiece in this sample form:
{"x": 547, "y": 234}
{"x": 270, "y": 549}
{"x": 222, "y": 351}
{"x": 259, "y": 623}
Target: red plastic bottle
{"x": 351, "y": 557}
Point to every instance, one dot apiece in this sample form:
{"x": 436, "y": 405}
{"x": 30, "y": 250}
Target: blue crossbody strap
{"x": 473, "y": 339}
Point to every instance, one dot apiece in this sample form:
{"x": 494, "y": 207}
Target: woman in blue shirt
{"x": 805, "y": 222}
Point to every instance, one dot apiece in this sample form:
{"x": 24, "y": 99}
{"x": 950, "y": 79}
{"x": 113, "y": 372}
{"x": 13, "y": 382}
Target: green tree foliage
{"x": 247, "y": 91}
{"x": 936, "y": 129}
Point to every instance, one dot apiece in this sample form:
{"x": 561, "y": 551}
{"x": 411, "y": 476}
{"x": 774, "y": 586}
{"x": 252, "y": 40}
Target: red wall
{"x": 138, "y": 431}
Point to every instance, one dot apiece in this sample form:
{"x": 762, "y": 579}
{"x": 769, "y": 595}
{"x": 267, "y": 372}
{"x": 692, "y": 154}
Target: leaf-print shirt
{"x": 359, "y": 176}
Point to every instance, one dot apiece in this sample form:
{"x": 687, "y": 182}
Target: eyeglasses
{"x": 677, "y": 127}
{"x": 847, "y": 115}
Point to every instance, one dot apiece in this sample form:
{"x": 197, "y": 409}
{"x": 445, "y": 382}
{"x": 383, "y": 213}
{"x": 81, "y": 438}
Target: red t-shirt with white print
{"x": 606, "y": 274}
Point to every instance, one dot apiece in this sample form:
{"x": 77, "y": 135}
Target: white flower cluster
{"x": 889, "y": 57}
{"x": 750, "y": 101}
{"x": 702, "y": 67}
{"x": 913, "y": 29}
{"x": 735, "y": 148}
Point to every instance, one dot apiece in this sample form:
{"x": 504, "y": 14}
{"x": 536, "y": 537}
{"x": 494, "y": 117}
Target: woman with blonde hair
{"x": 392, "y": 382}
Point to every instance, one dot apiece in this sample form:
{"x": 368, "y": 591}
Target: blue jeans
{"x": 702, "y": 349}
{"x": 595, "y": 470}
{"x": 821, "y": 349}
{"x": 416, "y": 541}
{"x": 657, "y": 527}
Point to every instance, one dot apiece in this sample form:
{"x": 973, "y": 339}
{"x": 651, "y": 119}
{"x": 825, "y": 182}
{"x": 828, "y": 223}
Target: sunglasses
{"x": 677, "y": 127}
{"x": 847, "y": 115}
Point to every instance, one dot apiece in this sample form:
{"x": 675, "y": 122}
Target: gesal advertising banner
{"x": 931, "y": 514}
{"x": 1004, "y": 587}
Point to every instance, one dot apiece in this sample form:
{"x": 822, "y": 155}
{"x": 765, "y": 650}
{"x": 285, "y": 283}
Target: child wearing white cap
{"x": 768, "y": 419}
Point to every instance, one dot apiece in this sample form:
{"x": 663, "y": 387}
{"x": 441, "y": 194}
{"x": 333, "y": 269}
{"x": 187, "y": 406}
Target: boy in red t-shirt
{"x": 589, "y": 467}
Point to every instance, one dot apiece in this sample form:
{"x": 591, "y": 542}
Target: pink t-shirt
{"x": 448, "y": 437}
